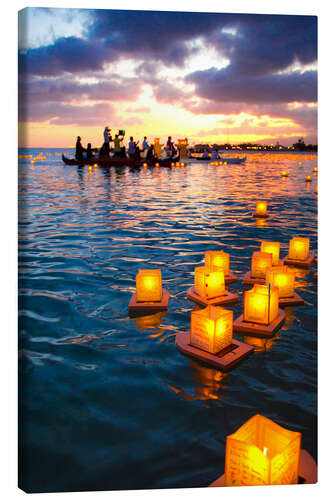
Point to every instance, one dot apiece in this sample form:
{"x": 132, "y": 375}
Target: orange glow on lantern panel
{"x": 211, "y": 328}
{"x": 272, "y": 247}
{"x": 299, "y": 248}
{"x": 262, "y": 452}
{"x": 209, "y": 282}
{"x": 218, "y": 258}
{"x": 261, "y": 304}
{"x": 261, "y": 208}
{"x": 283, "y": 278}
{"x": 261, "y": 261}
{"x": 149, "y": 285}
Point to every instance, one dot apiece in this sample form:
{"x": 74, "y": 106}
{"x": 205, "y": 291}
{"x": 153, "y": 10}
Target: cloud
{"x": 66, "y": 114}
{"x": 224, "y": 86}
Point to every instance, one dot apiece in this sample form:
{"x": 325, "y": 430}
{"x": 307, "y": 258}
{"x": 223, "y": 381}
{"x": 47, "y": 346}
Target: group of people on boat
{"x": 134, "y": 151}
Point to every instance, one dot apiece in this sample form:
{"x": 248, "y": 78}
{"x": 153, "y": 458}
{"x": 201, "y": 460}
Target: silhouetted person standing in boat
{"x": 132, "y": 149}
{"x": 79, "y": 149}
{"x": 117, "y": 148}
{"x": 107, "y": 139}
{"x": 90, "y": 153}
{"x": 171, "y": 147}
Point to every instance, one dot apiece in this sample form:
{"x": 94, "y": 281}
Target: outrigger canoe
{"x": 227, "y": 160}
{"x": 121, "y": 162}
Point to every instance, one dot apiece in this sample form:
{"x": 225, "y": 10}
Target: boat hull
{"x": 120, "y": 162}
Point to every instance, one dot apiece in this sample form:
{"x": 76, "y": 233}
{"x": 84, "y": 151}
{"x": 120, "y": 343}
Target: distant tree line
{"x": 246, "y": 146}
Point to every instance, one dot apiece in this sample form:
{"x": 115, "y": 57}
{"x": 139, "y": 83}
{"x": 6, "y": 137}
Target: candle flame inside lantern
{"x": 247, "y": 461}
{"x": 283, "y": 278}
{"x": 299, "y": 248}
{"x": 261, "y": 208}
{"x": 149, "y": 285}
{"x": 261, "y": 304}
{"x": 272, "y": 247}
{"x": 211, "y": 328}
{"x": 209, "y": 281}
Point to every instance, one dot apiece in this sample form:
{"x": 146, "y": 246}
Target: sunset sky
{"x": 210, "y": 77}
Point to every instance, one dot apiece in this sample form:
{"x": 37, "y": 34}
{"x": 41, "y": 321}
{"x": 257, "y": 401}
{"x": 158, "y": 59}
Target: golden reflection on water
{"x": 208, "y": 383}
{"x": 261, "y": 344}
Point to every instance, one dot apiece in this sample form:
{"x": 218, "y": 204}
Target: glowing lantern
{"x": 261, "y": 208}
{"x": 90, "y": 168}
{"x": 211, "y": 328}
{"x": 157, "y": 147}
{"x": 218, "y": 258}
{"x": 209, "y": 282}
{"x": 300, "y": 163}
{"x": 182, "y": 146}
{"x": 149, "y": 285}
{"x": 225, "y": 163}
{"x": 308, "y": 178}
{"x": 95, "y": 165}
{"x": 261, "y": 304}
{"x": 284, "y": 173}
{"x": 157, "y": 164}
{"x": 172, "y": 164}
{"x": 299, "y": 248}
{"x": 261, "y": 261}
{"x": 272, "y": 247}
{"x": 145, "y": 164}
{"x": 262, "y": 452}
{"x": 283, "y": 278}
{"x": 315, "y": 170}
{"x": 182, "y": 164}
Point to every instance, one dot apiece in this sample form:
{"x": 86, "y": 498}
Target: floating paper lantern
{"x": 308, "y": 178}
{"x": 261, "y": 304}
{"x": 95, "y": 165}
{"x": 272, "y": 247}
{"x": 149, "y": 285}
{"x": 283, "y": 278}
{"x": 262, "y": 452}
{"x": 182, "y": 164}
{"x": 209, "y": 282}
{"x": 315, "y": 170}
{"x": 261, "y": 208}
{"x": 218, "y": 258}
{"x": 261, "y": 261}
{"x": 211, "y": 329}
{"x": 157, "y": 164}
{"x": 299, "y": 248}
{"x": 90, "y": 168}
{"x": 284, "y": 173}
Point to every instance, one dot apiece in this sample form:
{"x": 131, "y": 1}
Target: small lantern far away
{"x": 272, "y": 247}
{"x": 209, "y": 282}
{"x": 261, "y": 261}
{"x": 262, "y": 452}
{"x": 211, "y": 328}
{"x": 299, "y": 248}
{"x": 261, "y": 209}
{"x": 149, "y": 296}
{"x": 283, "y": 278}
{"x": 149, "y": 285}
{"x": 261, "y": 304}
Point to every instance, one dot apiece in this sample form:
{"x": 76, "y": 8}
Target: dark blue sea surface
{"x": 107, "y": 401}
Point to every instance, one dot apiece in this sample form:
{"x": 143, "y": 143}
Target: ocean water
{"x": 107, "y": 401}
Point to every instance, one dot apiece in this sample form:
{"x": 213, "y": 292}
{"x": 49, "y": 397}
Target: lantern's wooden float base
{"x": 223, "y": 360}
{"x": 260, "y": 216}
{"x": 299, "y": 263}
{"x": 258, "y": 330}
{"x": 150, "y": 306}
{"x": 228, "y": 298}
{"x": 248, "y": 280}
{"x": 307, "y": 472}
{"x": 295, "y": 300}
{"x": 231, "y": 278}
